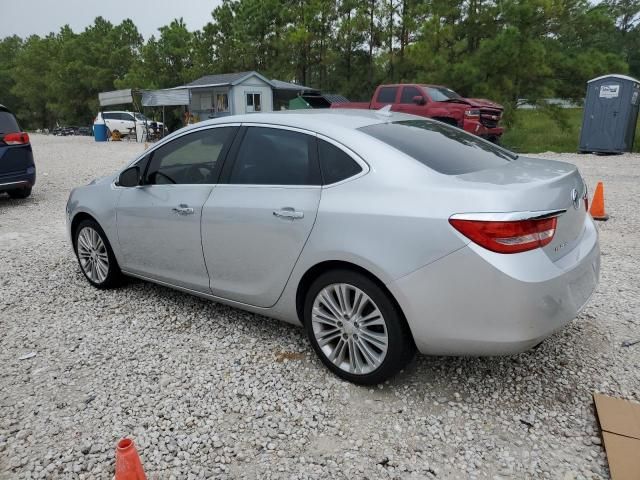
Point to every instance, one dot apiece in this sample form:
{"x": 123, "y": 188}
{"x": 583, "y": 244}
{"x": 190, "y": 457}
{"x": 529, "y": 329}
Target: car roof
{"x": 323, "y": 121}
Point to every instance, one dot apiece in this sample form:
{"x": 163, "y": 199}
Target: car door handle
{"x": 288, "y": 212}
{"x": 183, "y": 209}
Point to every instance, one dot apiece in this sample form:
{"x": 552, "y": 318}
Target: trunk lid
{"x": 535, "y": 185}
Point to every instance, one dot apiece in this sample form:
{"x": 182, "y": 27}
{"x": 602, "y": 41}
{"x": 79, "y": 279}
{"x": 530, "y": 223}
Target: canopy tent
{"x": 115, "y": 97}
{"x": 165, "y": 98}
{"x": 170, "y": 97}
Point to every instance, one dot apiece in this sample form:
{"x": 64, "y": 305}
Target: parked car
{"x": 17, "y": 168}
{"x": 125, "y": 122}
{"x": 474, "y": 115}
{"x": 380, "y": 233}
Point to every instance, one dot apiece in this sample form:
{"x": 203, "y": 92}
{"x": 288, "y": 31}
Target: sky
{"x": 27, "y": 17}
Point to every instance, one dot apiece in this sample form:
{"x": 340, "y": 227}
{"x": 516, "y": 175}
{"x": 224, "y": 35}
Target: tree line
{"x": 505, "y": 50}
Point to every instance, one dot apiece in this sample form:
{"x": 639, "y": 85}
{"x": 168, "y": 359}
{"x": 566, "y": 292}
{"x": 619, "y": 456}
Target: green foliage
{"x": 548, "y": 130}
{"x": 505, "y": 50}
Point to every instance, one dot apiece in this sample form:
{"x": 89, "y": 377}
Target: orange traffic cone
{"x": 128, "y": 466}
{"x": 597, "y": 205}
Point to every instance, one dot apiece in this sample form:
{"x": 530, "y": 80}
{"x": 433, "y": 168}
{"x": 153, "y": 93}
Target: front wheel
{"x": 355, "y": 328}
{"x": 95, "y": 256}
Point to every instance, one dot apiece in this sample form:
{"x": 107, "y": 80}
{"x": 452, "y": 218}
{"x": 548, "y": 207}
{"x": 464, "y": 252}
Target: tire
{"x": 93, "y": 251}
{"x": 371, "y": 363}
{"x": 20, "y": 192}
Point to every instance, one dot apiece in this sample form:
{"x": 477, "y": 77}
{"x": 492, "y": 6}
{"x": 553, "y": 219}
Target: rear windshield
{"x": 8, "y": 123}
{"x": 441, "y": 147}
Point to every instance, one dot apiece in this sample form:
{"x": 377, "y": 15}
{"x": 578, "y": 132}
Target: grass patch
{"x": 535, "y": 131}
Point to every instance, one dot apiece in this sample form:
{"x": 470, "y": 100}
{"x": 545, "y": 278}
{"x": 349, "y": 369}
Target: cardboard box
{"x": 620, "y": 424}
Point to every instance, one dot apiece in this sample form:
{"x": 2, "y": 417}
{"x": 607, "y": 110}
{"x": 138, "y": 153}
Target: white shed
{"x": 230, "y": 94}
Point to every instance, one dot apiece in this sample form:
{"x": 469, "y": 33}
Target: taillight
{"x": 509, "y": 236}
{"x": 20, "y": 138}
{"x": 473, "y": 113}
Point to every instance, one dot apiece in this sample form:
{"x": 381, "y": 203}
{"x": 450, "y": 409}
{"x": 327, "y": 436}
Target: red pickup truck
{"x": 477, "y": 116}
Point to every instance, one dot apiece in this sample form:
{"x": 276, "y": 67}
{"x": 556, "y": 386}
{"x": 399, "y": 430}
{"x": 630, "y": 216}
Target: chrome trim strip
{"x": 21, "y": 182}
{"x": 508, "y": 216}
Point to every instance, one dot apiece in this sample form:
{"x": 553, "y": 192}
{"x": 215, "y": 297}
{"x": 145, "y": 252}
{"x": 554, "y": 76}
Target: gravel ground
{"x": 207, "y": 391}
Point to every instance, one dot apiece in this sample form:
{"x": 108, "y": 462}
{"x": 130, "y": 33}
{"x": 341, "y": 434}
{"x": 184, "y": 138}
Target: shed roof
{"x": 224, "y": 79}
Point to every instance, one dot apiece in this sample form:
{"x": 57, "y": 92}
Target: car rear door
{"x": 258, "y": 219}
{"x": 158, "y": 222}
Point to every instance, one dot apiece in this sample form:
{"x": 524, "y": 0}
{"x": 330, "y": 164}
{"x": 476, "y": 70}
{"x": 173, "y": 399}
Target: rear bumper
{"x": 17, "y": 180}
{"x": 477, "y": 128}
{"x": 475, "y": 302}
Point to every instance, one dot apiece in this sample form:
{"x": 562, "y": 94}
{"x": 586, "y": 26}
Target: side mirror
{"x": 130, "y": 177}
{"x": 419, "y": 100}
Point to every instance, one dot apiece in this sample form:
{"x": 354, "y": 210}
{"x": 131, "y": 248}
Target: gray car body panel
{"x": 393, "y": 221}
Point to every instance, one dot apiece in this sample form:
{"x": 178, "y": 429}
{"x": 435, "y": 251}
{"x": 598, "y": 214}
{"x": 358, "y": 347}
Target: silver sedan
{"x": 381, "y": 233}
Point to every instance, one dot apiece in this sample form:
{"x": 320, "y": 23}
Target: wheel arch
{"x": 318, "y": 269}
{"x": 76, "y": 220}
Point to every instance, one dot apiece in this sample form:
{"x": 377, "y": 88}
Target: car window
{"x": 335, "y": 164}
{"x": 8, "y": 123}
{"x": 108, "y": 116}
{"x": 442, "y": 94}
{"x": 441, "y": 147}
{"x": 191, "y": 159}
{"x": 126, "y": 116}
{"x": 272, "y": 156}
{"x": 387, "y": 94}
{"x": 408, "y": 93}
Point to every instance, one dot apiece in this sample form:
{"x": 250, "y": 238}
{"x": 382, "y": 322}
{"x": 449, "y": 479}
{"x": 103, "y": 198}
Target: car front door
{"x": 257, "y": 220}
{"x": 408, "y": 101}
{"x": 159, "y": 221}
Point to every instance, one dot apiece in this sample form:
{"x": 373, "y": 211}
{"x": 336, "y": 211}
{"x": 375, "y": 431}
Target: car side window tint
{"x": 273, "y": 156}
{"x": 190, "y": 159}
{"x": 387, "y": 94}
{"x": 335, "y": 164}
{"x": 108, "y": 116}
{"x": 408, "y": 93}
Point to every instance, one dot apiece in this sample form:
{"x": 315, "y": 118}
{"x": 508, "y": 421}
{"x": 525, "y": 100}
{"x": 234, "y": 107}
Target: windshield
{"x": 140, "y": 116}
{"x": 442, "y": 94}
{"x": 441, "y": 147}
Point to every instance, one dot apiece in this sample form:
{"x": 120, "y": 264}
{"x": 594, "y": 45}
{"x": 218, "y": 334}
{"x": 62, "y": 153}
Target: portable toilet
{"x": 610, "y": 114}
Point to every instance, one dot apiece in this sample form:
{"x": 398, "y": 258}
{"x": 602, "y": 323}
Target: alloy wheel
{"x": 93, "y": 255}
{"x": 349, "y": 328}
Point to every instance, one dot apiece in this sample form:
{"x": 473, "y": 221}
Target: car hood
{"x": 482, "y": 102}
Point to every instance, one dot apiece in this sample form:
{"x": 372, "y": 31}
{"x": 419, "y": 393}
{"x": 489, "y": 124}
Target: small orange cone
{"x": 597, "y": 205}
{"x": 128, "y": 466}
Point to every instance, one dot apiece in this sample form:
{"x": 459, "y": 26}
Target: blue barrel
{"x": 100, "y": 132}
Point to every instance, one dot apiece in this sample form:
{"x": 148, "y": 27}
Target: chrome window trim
{"x": 508, "y": 216}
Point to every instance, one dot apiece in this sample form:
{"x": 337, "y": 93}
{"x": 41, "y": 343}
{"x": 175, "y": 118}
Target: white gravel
{"x": 207, "y": 391}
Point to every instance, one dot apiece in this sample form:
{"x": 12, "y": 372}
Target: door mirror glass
{"x": 419, "y": 100}
{"x": 130, "y": 177}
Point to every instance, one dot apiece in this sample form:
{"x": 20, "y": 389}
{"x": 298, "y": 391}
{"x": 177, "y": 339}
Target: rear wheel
{"x": 355, "y": 328}
{"x": 20, "y": 192}
{"x": 95, "y": 256}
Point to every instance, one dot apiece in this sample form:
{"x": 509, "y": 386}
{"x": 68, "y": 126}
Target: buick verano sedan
{"x": 381, "y": 233}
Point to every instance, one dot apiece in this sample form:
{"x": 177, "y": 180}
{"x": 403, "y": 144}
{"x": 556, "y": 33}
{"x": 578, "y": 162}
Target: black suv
{"x": 17, "y": 169}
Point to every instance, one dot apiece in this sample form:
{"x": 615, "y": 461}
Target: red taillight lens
{"x": 21, "y": 138}
{"x": 508, "y": 237}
